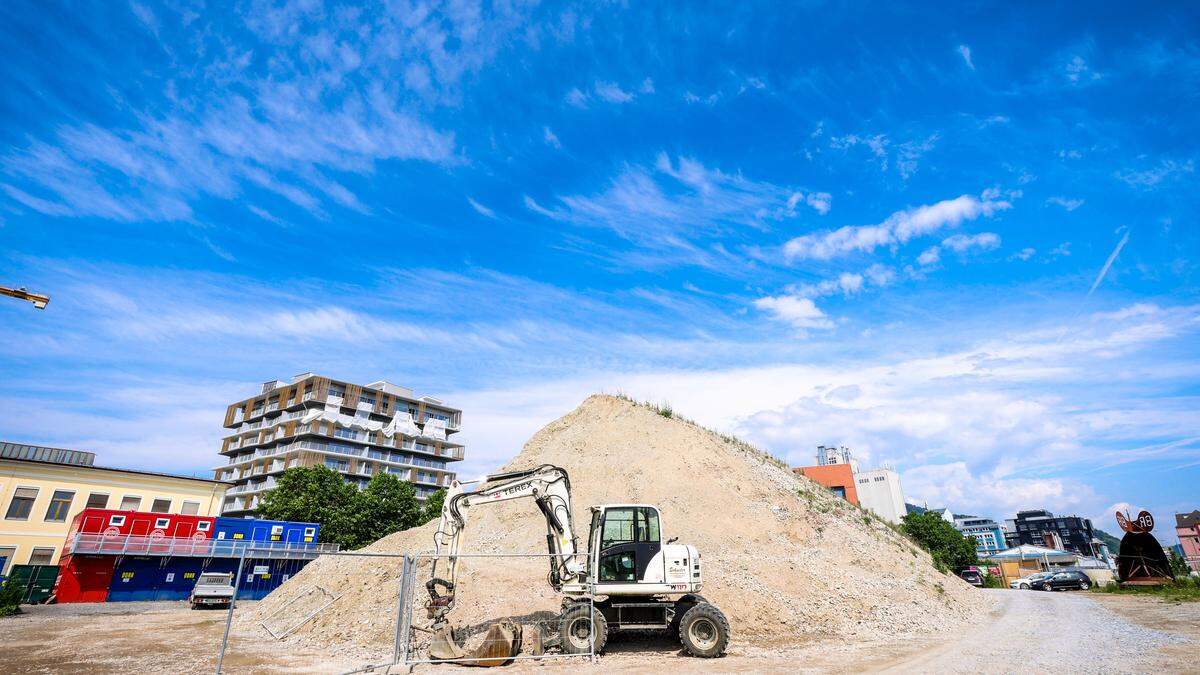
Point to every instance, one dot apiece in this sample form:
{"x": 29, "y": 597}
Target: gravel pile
{"x": 783, "y": 558}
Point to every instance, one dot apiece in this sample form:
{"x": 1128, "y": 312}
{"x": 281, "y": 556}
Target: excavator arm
{"x": 547, "y": 485}
{"x": 39, "y": 301}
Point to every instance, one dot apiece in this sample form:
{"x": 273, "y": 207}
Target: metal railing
{"x": 104, "y": 544}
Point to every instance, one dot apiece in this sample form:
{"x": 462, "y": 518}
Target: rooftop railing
{"x": 103, "y": 544}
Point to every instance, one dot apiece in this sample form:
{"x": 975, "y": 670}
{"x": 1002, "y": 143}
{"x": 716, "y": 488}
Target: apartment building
{"x": 356, "y": 430}
{"x": 42, "y": 489}
{"x": 1039, "y": 527}
{"x": 989, "y": 536}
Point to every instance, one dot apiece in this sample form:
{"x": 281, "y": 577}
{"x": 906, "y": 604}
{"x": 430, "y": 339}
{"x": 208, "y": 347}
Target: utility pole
{"x": 39, "y": 301}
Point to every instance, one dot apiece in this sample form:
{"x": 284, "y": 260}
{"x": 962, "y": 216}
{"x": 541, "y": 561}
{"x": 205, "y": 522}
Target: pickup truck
{"x": 213, "y": 589}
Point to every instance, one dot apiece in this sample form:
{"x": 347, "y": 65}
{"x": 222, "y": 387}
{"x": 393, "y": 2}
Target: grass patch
{"x": 1183, "y": 590}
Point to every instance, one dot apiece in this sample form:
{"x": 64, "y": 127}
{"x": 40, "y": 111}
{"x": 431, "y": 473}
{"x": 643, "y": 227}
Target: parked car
{"x": 972, "y": 577}
{"x": 1027, "y": 583}
{"x": 1063, "y": 581}
{"x": 213, "y": 589}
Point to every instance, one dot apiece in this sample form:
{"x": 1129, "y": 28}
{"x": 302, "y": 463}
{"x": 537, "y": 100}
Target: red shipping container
{"x": 84, "y": 578}
{"x": 121, "y": 524}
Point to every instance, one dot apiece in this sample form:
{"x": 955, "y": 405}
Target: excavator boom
{"x": 39, "y": 301}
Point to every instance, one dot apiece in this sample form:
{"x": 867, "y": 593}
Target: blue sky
{"x": 963, "y": 244}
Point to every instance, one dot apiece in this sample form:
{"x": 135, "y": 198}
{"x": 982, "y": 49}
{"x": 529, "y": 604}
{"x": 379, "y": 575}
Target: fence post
{"x": 232, "y": 603}
{"x": 402, "y": 612}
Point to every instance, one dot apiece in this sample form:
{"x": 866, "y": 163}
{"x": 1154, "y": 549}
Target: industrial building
{"x": 42, "y": 489}
{"x": 356, "y": 430}
{"x": 877, "y": 490}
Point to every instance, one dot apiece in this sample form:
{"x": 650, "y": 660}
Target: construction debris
{"x": 784, "y": 558}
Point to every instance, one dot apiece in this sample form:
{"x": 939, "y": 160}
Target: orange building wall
{"x": 831, "y": 476}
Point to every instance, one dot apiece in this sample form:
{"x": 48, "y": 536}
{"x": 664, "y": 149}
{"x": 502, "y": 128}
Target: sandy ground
{"x": 1028, "y": 632}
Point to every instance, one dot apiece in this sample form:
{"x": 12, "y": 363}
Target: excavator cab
{"x": 626, "y": 554}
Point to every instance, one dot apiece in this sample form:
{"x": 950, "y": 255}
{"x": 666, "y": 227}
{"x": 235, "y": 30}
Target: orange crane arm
{"x": 39, "y": 301}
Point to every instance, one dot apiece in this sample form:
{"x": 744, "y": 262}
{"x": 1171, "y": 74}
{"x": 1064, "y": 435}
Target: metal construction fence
{"x": 364, "y": 611}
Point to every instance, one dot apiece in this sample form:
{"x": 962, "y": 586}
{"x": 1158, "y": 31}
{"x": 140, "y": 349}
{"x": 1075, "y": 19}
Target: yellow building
{"x": 41, "y": 490}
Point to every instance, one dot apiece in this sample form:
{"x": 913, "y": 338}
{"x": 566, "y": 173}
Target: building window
{"x": 160, "y": 506}
{"x": 190, "y": 508}
{"x": 160, "y": 523}
{"x": 337, "y": 464}
{"x": 7, "y": 553}
{"x": 116, "y": 521}
{"x": 60, "y": 505}
{"x": 21, "y": 504}
{"x": 131, "y": 503}
{"x": 97, "y": 500}
{"x": 41, "y": 556}
{"x": 369, "y": 400}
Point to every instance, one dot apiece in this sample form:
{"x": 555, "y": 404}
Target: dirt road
{"x": 1073, "y": 632}
{"x": 1029, "y": 632}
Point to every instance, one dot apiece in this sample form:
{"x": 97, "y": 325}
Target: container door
{"x": 140, "y": 527}
{"x": 184, "y": 529}
{"x": 260, "y": 533}
{"x": 293, "y": 535}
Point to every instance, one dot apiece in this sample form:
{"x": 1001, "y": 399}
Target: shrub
{"x": 10, "y": 598}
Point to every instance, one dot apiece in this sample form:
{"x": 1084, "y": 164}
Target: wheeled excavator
{"x": 630, "y": 577}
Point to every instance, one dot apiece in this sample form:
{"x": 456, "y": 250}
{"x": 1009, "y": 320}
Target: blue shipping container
{"x": 260, "y": 577}
{"x": 153, "y": 578}
{"x": 253, "y": 529}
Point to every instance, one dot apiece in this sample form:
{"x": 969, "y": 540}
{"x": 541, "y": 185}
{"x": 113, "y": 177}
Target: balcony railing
{"x": 121, "y": 544}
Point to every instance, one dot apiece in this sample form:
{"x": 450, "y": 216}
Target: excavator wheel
{"x": 704, "y": 631}
{"x": 682, "y": 605}
{"x": 576, "y": 627}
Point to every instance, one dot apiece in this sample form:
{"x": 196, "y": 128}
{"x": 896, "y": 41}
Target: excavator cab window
{"x": 629, "y": 539}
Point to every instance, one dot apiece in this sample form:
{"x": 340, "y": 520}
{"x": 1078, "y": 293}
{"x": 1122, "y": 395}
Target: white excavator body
{"x": 627, "y": 574}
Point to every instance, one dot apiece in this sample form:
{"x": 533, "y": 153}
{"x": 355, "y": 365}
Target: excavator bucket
{"x": 499, "y": 646}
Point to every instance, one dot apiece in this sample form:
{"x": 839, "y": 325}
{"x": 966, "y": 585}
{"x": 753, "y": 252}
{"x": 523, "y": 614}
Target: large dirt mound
{"x": 783, "y": 557}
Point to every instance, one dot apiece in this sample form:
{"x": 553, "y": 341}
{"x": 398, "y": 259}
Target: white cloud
{"x": 1024, "y": 254}
{"x": 820, "y": 201}
{"x": 549, "y": 137}
{"x": 1109, "y": 263}
{"x": 1152, "y": 177}
{"x": 483, "y": 210}
{"x": 930, "y": 256}
{"x": 960, "y": 243}
{"x": 576, "y": 98}
{"x": 1066, "y": 203}
{"x": 1077, "y": 71}
{"x": 612, "y": 93}
{"x": 801, "y": 313}
{"x": 294, "y": 124}
{"x": 647, "y": 86}
{"x": 965, "y": 52}
{"x": 898, "y": 228}
{"x": 678, "y": 209}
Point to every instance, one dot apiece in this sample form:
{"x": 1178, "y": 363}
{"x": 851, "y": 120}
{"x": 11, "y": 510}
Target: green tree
{"x": 949, "y": 548}
{"x": 1179, "y": 566}
{"x": 10, "y": 597}
{"x": 348, "y": 516}
{"x": 433, "y": 506}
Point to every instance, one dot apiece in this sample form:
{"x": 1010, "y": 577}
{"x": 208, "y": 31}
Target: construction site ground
{"x": 1028, "y": 631}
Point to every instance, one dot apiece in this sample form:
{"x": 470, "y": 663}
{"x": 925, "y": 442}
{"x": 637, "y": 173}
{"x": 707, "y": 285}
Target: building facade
{"x": 838, "y": 478}
{"x": 1187, "y": 526}
{"x": 356, "y": 430}
{"x": 989, "y": 536}
{"x": 1042, "y": 528}
{"x": 42, "y": 489}
{"x": 879, "y": 490}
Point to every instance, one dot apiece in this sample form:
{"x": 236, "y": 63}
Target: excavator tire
{"x": 682, "y": 605}
{"x": 575, "y": 628}
{"x": 704, "y": 631}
